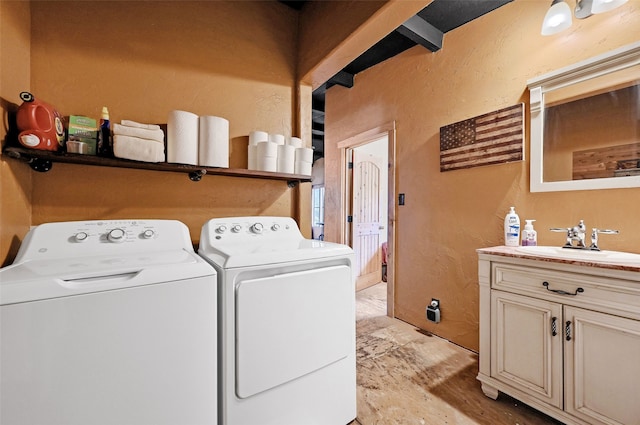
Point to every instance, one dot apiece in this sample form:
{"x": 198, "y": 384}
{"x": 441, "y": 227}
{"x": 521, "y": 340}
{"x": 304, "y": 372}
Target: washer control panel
{"x": 87, "y": 238}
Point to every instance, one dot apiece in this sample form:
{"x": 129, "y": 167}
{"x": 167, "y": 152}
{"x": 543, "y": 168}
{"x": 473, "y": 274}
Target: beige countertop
{"x": 509, "y": 251}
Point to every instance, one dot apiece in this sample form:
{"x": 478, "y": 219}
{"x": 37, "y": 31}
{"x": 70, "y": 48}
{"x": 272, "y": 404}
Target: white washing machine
{"x": 108, "y": 322}
{"x": 286, "y": 323}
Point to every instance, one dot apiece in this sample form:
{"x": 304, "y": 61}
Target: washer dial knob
{"x": 116, "y": 235}
{"x": 80, "y": 236}
{"x": 257, "y": 228}
{"x": 148, "y": 234}
{"x": 236, "y": 228}
{"x": 275, "y": 227}
{"x": 221, "y": 229}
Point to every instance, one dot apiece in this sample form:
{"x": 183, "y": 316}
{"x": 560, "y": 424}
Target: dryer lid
{"x": 252, "y": 241}
{"x": 247, "y": 255}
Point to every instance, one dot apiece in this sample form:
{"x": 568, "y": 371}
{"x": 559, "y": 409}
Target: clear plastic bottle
{"x": 512, "y": 228}
{"x": 529, "y": 235}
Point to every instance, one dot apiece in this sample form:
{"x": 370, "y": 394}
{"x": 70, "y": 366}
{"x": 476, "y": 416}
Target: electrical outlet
{"x": 433, "y": 311}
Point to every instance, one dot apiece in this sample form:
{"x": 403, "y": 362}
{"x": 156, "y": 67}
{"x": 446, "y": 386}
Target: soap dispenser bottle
{"x": 512, "y": 228}
{"x": 529, "y": 235}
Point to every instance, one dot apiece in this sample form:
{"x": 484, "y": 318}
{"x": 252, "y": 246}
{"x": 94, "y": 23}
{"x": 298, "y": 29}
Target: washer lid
{"x": 52, "y": 278}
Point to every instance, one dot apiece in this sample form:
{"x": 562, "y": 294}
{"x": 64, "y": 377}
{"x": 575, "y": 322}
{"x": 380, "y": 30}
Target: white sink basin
{"x": 580, "y": 254}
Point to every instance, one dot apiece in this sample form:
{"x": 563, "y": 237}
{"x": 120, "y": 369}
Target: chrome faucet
{"x": 594, "y": 237}
{"x": 578, "y": 233}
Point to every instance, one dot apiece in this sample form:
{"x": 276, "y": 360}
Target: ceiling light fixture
{"x": 558, "y": 17}
{"x": 600, "y": 6}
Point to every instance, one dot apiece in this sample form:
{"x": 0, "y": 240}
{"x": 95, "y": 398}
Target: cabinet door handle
{"x": 554, "y": 326}
{"x": 567, "y": 330}
{"x": 560, "y": 291}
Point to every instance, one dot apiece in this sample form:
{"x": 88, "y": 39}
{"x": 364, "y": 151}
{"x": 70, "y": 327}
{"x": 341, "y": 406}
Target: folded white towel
{"x": 142, "y": 133}
{"x": 130, "y": 123}
{"x": 137, "y": 149}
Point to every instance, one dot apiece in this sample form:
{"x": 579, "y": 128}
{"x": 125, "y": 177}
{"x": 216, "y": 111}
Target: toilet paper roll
{"x": 276, "y": 138}
{"x": 182, "y": 138}
{"x": 294, "y": 141}
{"x": 252, "y": 156}
{"x": 304, "y": 154}
{"x": 286, "y": 152}
{"x": 213, "y": 145}
{"x": 267, "y": 150}
{"x": 267, "y": 163}
{"x": 285, "y": 166}
{"x": 256, "y": 137}
{"x": 286, "y": 158}
{"x": 302, "y": 167}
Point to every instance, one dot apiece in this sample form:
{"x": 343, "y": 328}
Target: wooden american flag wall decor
{"x": 493, "y": 138}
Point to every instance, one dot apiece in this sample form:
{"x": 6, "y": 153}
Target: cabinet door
{"x": 603, "y": 368}
{"x": 525, "y": 353}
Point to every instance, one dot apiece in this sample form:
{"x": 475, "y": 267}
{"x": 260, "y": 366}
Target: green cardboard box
{"x": 85, "y": 130}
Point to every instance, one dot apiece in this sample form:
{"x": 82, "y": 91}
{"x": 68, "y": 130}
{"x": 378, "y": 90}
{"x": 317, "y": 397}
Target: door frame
{"x": 388, "y": 130}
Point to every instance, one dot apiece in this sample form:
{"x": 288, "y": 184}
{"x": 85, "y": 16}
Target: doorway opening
{"x": 368, "y": 204}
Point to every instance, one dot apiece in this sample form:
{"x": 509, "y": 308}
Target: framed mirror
{"x": 585, "y": 124}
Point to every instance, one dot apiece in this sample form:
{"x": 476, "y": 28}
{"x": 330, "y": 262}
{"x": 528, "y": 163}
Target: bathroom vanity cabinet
{"x": 562, "y": 336}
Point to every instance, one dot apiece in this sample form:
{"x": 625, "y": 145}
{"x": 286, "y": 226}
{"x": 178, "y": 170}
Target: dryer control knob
{"x": 236, "y": 228}
{"x": 275, "y": 227}
{"x": 257, "y": 228}
{"x": 116, "y": 235}
{"x": 148, "y": 234}
{"x": 221, "y": 229}
{"x": 80, "y": 236}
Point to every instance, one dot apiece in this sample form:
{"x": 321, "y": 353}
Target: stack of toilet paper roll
{"x": 197, "y": 140}
{"x": 303, "y": 161}
{"x": 275, "y": 153}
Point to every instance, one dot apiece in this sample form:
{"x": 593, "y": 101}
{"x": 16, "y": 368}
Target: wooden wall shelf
{"x": 42, "y": 161}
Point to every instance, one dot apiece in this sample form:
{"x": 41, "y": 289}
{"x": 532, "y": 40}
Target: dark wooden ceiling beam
{"x": 342, "y": 78}
{"x": 422, "y": 32}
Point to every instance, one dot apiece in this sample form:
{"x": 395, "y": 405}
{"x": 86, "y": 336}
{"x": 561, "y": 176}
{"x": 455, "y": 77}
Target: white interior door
{"x": 367, "y": 216}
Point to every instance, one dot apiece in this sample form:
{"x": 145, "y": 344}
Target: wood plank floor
{"x": 406, "y": 376}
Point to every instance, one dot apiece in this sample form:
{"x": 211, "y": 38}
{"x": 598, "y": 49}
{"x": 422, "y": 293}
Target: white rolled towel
{"x": 142, "y": 133}
{"x": 137, "y": 149}
{"x": 130, "y": 123}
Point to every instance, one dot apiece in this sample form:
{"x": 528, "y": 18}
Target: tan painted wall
{"x": 142, "y": 59}
{"x": 234, "y": 59}
{"x": 483, "y": 66}
{"x": 15, "y": 178}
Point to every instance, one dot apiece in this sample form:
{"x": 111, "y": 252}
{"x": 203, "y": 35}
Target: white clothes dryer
{"x": 108, "y": 322}
{"x": 286, "y": 318}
